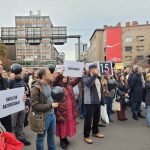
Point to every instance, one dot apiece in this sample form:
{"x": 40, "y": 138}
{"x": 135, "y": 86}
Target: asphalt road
{"x": 128, "y": 135}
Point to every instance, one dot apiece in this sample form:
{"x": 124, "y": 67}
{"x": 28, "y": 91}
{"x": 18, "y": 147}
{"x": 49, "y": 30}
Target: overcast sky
{"x": 80, "y": 16}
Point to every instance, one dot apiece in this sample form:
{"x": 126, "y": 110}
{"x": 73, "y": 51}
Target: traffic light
{"x": 148, "y": 59}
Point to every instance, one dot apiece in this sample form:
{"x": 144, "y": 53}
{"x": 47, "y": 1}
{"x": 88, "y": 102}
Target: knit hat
{"x": 92, "y": 66}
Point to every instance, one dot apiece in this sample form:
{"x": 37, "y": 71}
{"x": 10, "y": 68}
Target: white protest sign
{"x": 11, "y": 101}
{"x": 59, "y": 68}
{"x": 73, "y": 68}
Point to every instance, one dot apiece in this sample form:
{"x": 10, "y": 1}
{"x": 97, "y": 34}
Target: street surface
{"x": 128, "y": 135}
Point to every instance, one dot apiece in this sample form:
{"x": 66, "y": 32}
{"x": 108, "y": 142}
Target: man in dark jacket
{"x": 136, "y": 93}
{"x": 92, "y": 99}
{"x": 6, "y": 121}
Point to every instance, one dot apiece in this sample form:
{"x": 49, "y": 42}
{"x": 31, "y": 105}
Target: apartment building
{"x": 133, "y": 43}
{"x": 34, "y": 37}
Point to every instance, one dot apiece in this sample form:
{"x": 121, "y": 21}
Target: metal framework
{"x": 43, "y": 37}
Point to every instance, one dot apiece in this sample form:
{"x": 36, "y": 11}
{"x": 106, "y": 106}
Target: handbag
{"x": 116, "y": 106}
{"x": 37, "y": 121}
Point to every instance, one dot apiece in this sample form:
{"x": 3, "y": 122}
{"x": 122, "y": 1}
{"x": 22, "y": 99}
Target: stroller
{"x": 8, "y": 140}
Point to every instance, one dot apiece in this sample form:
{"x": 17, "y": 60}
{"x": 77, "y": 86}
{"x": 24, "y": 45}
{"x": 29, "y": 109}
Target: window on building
{"x": 128, "y": 39}
{"x": 128, "y": 58}
{"x": 140, "y": 57}
{"x": 140, "y": 38}
{"x": 128, "y": 48}
{"x": 140, "y": 48}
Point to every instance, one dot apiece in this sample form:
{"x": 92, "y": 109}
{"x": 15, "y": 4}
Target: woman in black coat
{"x": 122, "y": 93}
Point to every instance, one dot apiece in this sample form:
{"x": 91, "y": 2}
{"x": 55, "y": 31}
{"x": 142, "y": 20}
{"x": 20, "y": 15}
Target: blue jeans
{"x": 108, "y": 101}
{"x": 148, "y": 115}
{"x": 50, "y": 128}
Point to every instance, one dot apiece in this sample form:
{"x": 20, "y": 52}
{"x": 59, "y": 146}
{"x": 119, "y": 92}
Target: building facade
{"x": 83, "y": 49}
{"x": 33, "y": 38}
{"x": 134, "y": 43}
{"x": 96, "y": 49}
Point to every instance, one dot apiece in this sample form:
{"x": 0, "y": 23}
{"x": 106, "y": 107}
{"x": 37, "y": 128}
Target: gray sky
{"x": 80, "y": 16}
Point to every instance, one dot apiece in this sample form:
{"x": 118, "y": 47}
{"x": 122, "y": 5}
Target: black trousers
{"x": 6, "y": 122}
{"x": 92, "y": 112}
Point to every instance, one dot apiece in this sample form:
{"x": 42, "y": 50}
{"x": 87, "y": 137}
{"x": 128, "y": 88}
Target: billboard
{"x": 114, "y": 44}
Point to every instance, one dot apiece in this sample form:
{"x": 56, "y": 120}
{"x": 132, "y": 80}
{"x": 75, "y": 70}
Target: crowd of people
{"x": 130, "y": 87}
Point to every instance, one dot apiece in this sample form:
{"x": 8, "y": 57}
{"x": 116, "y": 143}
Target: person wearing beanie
{"x": 93, "y": 98}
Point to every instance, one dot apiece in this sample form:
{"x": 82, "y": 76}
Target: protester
{"x": 93, "y": 94}
{"x": 5, "y": 74}
{"x": 136, "y": 86}
{"x": 147, "y": 98}
{"x": 6, "y": 121}
{"x": 18, "y": 118}
{"x": 67, "y": 112}
{"x": 33, "y": 78}
{"x": 109, "y": 85}
{"x": 122, "y": 94}
{"x": 42, "y": 104}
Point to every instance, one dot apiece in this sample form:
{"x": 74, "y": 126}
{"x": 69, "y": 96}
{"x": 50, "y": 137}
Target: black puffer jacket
{"x": 147, "y": 88}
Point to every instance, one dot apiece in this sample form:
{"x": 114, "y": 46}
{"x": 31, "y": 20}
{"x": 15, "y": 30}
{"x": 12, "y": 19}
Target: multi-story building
{"x": 96, "y": 49}
{"x": 34, "y": 37}
{"x": 133, "y": 45}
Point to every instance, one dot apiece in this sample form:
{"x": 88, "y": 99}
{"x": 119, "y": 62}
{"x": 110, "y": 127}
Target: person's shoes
{"x": 140, "y": 115}
{"x": 98, "y": 135}
{"x": 101, "y": 125}
{"x": 66, "y": 141}
{"x": 124, "y": 119}
{"x": 63, "y": 145}
{"x": 88, "y": 140}
{"x": 121, "y": 119}
{"x": 135, "y": 117}
{"x": 25, "y": 142}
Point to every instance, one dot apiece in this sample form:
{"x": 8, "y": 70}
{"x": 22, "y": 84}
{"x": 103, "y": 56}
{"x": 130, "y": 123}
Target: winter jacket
{"x": 90, "y": 90}
{"x": 39, "y": 107}
{"x": 136, "y": 88}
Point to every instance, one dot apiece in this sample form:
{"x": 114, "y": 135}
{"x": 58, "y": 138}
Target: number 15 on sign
{"x": 105, "y": 68}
